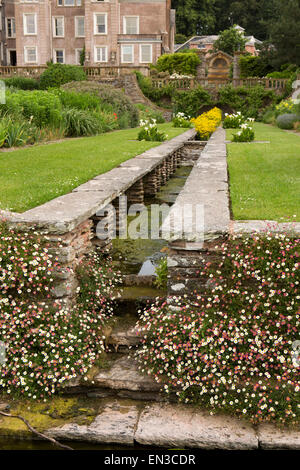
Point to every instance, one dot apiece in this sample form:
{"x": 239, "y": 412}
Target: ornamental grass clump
{"x": 206, "y": 123}
{"x": 181, "y": 120}
{"x": 234, "y": 349}
{"x": 47, "y": 344}
{"x": 150, "y": 132}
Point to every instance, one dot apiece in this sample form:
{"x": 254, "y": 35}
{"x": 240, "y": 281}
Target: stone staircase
{"x": 120, "y": 376}
{"x": 133, "y": 91}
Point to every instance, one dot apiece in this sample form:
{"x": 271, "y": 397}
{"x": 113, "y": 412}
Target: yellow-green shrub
{"x": 206, "y": 123}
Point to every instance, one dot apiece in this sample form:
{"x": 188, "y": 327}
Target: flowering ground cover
{"x": 47, "y": 345}
{"x": 31, "y": 176}
{"x": 235, "y": 348}
{"x": 264, "y": 178}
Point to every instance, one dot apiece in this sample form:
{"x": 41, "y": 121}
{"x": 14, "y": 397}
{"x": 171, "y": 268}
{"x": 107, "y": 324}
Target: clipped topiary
{"x": 286, "y": 121}
{"x": 58, "y": 74}
{"x": 182, "y": 63}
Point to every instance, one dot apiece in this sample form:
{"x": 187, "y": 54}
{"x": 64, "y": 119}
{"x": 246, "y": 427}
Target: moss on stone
{"x": 44, "y": 415}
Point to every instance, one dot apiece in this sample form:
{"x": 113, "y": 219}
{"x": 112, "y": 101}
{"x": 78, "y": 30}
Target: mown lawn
{"x": 265, "y": 178}
{"x": 34, "y": 175}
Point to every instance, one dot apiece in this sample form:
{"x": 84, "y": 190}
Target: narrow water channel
{"x": 142, "y": 256}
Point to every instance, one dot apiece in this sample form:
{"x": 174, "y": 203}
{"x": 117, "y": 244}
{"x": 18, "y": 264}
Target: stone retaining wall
{"x": 69, "y": 222}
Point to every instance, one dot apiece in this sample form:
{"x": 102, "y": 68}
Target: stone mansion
{"x": 111, "y": 32}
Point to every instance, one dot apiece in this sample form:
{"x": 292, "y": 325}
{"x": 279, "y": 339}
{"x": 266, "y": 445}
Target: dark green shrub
{"x": 269, "y": 116}
{"x": 253, "y": 66}
{"x": 190, "y": 102}
{"x": 180, "y": 38}
{"x": 22, "y": 83}
{"x": 42, "y": 108}
{"x": 154, "y": 94}
{"x": 249, "y": 101}
{"x": 182, "y": 63}
{"x": 58, "y": 74}
{"x": 110, "y": 99}
{"x": 286, "y": 121}
{"x": 78, "y": 122}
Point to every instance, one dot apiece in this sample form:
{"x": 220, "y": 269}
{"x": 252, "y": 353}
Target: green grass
{"x": 34, "y": 175}
{"x": 265, "y": 178}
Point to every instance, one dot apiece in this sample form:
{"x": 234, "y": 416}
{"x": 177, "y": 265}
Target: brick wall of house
{"x": 156, "y": 28}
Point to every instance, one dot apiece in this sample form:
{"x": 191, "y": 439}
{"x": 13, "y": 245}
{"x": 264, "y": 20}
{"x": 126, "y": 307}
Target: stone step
{"x": 121, "y": 378}
{"x": 124, "y": 337}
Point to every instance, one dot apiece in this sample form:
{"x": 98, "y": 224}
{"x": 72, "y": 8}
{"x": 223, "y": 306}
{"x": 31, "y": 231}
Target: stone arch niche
{"x": 219, "y": 65}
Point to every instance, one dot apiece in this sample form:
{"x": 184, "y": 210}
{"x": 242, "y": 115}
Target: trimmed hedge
{"x": 182, "y": 63}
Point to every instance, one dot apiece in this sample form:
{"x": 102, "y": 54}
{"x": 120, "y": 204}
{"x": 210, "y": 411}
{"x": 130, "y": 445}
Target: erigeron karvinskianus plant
{"x": 47, "y": 345}
{"x": 234, "y": 349}
{"x": 150, "y": 132}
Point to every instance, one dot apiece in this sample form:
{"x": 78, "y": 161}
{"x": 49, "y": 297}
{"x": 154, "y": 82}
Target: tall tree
{"x": 285, "y": 33}
{"x": 230, "y": 40}
{"x": 194, "y": 17}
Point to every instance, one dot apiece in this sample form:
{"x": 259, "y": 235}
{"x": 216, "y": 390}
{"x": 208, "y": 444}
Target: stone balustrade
{"x": 190, "y": 83}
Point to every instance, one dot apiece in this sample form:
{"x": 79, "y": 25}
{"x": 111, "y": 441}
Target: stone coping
{"x": 261, "y": 226}
{"x": 165, "y": 425}
{"x": 206, "y": 187}
{"x": 126, "y": 422}
{"x": 66, "y": 212}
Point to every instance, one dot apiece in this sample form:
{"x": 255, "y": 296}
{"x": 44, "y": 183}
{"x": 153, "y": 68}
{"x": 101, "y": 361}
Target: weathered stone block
{"x": 180, "y": 426}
